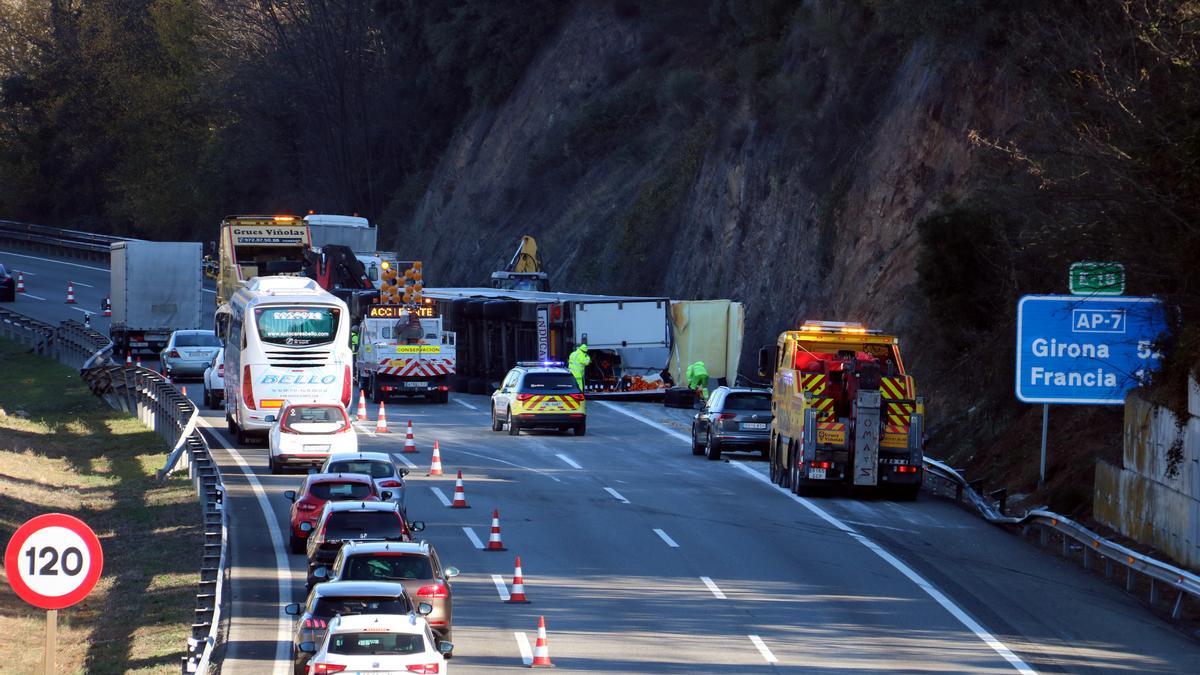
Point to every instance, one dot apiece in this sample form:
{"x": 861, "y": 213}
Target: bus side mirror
{"x": 767, "y": 358}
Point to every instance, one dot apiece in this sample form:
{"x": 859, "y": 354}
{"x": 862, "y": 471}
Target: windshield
{"x": 204, "y": 339}
{"x": 335, "y": 491}
{"x": 314, "y": 419}
{"x": 375, "y": 643}
{"x": 387, "y": 567}
{"x": 544, "y": 382}
{"x": 327, "y": 607}
{"x": 364, "y": 466}
{"x": 297, "y": 326}
{"x": 748, "y": 402}
{"x": 364, "y": 525}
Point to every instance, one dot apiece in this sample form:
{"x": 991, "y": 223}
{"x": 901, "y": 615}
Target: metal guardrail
{"x": 57, "y": 240}
{"x": 1094, "y": 549}
{"x": 150, "y": 397}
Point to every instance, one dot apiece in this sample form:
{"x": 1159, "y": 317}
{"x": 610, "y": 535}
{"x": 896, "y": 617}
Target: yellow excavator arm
{"x": 526, "y": 258}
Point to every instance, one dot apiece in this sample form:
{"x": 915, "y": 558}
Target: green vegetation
{"x": 62, "y": 449}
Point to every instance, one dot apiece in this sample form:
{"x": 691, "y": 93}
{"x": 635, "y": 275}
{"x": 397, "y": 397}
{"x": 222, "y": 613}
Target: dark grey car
{"x": 734, "y": 418}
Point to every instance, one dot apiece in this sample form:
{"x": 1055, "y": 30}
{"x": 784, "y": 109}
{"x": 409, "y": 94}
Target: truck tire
{"x": 581, "y": 428}
{"x": 497, "y": 425}
{"x": 713, "y": 449}
{"x": 442, "y": 397}
{"x": 908, "y": 493}
{"x": 514, "y": 428}
{"x": 230, "y": 425}
{"x": 376, "y": 394}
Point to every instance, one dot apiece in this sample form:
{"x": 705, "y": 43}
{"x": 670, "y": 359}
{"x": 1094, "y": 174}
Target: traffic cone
{"x": 128, "y": 360}
{"x": 494, "y": 543}
{"x": 541, "y": 650}
{"x": 139, "y": 362}
{"x": 517, "y": 597}
{"x": 381, "y": 421}
{"x": 362, "y": 407}
{"x": 460, "y": 495}
{"x": 183, "y": 390}
{"x": 20, "y": 282}
{"x": 435, "y": 468}
{"x": 107, "y": 306}
{"x": 410, "y": 446}
{"x": 70, "y": 293}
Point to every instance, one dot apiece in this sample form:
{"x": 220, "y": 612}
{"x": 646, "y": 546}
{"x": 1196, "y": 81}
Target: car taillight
{"x": 221, "y": 370}
{"x": 306, "y": 506}
{"x": 346, "y": 385}
{"x": 316, "y": 624}
{"x": 390, "y": 483}
{"x": 329, "y": 668}
{"x": 906, "y": 469}
{"x": 577, "y": 397}
{"x": 248, "y": 388}
{"x": 524, "y": 397}
{"x": 432, "y": 591}
{"x": 173, "y": 354}
{"x": 821, "y": 465}
{"x": 424, "y": 668}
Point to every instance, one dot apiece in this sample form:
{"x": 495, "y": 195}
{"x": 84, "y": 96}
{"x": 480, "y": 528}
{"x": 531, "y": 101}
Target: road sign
{"x": 1072, "y": 349}
{"x": 1097, "y": 278}
{"x": 53, "y": 561}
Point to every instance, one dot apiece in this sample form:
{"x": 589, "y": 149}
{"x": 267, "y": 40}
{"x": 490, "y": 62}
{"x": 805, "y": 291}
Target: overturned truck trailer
{"x": 628, "y": 338}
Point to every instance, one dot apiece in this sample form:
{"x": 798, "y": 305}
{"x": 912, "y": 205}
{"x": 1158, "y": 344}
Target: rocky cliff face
{"x": 796, "y": 192}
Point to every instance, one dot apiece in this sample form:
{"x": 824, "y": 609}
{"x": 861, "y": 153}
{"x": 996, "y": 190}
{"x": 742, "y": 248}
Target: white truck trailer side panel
{"x": 156, "y": 286}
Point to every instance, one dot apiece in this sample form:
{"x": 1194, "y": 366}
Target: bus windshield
{"x": 297, "y": 326}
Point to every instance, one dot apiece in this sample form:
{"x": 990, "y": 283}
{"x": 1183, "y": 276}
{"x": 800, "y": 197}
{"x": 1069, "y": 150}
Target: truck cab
{"x": 403, "y": 351}
{"x": 845, "y": 411}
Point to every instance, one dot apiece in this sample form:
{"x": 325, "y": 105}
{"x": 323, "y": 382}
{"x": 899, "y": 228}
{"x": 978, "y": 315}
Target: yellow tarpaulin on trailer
{"x": 709, "y": 331}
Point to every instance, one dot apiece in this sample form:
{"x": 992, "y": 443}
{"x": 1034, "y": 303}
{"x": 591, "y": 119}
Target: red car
{"x": 319, "y": 488}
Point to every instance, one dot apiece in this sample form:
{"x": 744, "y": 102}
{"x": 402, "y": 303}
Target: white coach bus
{"x": 286, "y": 339}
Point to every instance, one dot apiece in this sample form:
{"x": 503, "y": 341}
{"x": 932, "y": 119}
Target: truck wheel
{"x": 697, "y": 448}
{"x": 443, "y": 397}
{"x": 376, "y": 394}
{"x": 230, "y": 426}
{"x": 513, "y": 427}
{"x": 581, "y": 428}
{"x": 713, "y": 451}
{"x": 908, "y": 493}
{"x": 497, "y": 425}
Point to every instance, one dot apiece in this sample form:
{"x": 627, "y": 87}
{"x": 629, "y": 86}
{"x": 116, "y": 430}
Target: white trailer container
{"x": 157, "y": 288}
{"x": 354, "y": 232}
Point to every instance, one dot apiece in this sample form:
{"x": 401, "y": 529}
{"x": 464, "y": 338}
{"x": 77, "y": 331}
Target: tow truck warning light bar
{"x": 837, "y": 327}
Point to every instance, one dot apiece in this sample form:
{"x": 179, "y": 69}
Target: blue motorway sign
{"x": 1074, "y": 349}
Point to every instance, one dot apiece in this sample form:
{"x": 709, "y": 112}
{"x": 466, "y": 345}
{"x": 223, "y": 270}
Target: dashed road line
{"x": 404, "y": 460}
{"x": 616, "y": 495}
{"x": 666, "y": 538}
{"x": 519, "y": 466}
{"x": 762, "y": 649}
{"x": 437, "y": 492}
{"x": 570, "y": 462}
{"x": 80, "y": 283}
{"x": 473, "y": 537}
{"x": 501, "y": 587}
{"x": 524, "y": 648}
{"x": 712, "y": 586}
{"x": 80, "y": 309}
{"x": 462, "y": 402}
{"x": 361, "y": 426}
{"x": 31, "y": 295}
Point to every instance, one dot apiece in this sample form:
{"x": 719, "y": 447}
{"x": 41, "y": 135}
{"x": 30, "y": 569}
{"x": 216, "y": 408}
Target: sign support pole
{"x": 51, "y": 639}
{"x": 1045, "y": 427}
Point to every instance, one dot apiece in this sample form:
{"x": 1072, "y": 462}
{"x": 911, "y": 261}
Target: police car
{"x": 539, "y": 395}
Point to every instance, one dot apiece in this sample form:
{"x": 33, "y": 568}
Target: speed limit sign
{"x": 53, "y": 561}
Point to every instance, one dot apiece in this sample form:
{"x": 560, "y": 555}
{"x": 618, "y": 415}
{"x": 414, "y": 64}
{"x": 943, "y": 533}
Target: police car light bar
{"x": 540, "y": 364}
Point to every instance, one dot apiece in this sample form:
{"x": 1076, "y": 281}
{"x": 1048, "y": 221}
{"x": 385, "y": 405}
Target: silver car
{"x": 188, "y": 353}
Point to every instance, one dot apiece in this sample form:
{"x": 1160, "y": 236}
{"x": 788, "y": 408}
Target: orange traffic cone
{"x": 128, "y": 360}
{"x": 107, "y": 306}
{"x": 460, "y": 495}
{"x": 20, "y": 282}
{"x": 517, "y": 597}
{"x": 70, "y": 293}
{"x": 139, "y": 362}
{"x": 409, "y": 444}
{"x": 381, "y": 421}
{"x": 183, "y": 390}
{"x": 541, "y": 650}
{"x": 435, "y": 468}
{"x": 362, "y": 407}
{"x": 494, "y": 543}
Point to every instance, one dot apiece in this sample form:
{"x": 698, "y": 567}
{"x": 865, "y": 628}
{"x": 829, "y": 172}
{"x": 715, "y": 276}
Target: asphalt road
{"x": 644, "y": 558}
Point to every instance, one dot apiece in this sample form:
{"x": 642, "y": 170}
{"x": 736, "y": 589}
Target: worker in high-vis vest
{"x": 697, "y": 379}
{"x": 578, "y": 362}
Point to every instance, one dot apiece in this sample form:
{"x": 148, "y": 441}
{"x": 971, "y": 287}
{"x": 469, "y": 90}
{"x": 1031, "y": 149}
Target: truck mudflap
{"x": 866, "y": 437}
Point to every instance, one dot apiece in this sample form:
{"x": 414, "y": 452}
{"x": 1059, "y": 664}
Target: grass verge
{"x": 74, "y": 454}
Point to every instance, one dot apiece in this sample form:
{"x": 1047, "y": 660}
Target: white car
{"x": 214, "y": 381}
{"x": 378, "y": 465}
{"x": 376, "y": 643}
{"x": 306, "y": 434}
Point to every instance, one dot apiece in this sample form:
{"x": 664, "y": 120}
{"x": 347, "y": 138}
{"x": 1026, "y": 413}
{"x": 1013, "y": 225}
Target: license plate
{"x": 816, "y": 474}
{"x": 416, "y": 385}
{"x": 754, "y": 426}
{"x": 316, "y": 448}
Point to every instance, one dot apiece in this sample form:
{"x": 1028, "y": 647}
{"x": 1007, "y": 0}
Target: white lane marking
{"x": 361, "y": 426}
{"x": 497, "y": 459}
{"x": 209, "y": 290}
{"x": 762, "y": 649}
{"x": 473, "y": 537}
{"x": 665, "y": 537}
{"x": 501, "y": 588}
{"x": 80, "y": 309}
{"x": 31, "y": 295}
{"x": 28, "y": 274}
{"x": 437, "y": 492}
{"x": 712, "y": 586}
{"x": 283, "y": 569}
{"x": 523, "y": 647}
{"x": 80, "y": 283}
{"x": 572, "y": 463}
{"x": 646, "y": 420}
{"x": 881, "y": 527}
{"x": 404, "y": 460}
{"x": 462, "y": 402}
{"x": 930, "y": 590}
{"x": 616, "y": 495}
{"x": 57, "y": 262}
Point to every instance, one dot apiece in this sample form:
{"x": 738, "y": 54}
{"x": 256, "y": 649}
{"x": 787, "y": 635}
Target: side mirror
{"x": 445, "y": 647}
{"x": 269, "y": 418}
{"x": 403, "y": 472}
{"x": 306, "y": 526}
{"x": 308, "y": 647}
{"x": 290, "y": 495}
{"x": 767, "y": 358}
{"x": 386, "y": 495}
{"x": 321, "y": 573}
{"x": 292, "y": 609}
{"x": 417, "y": 526}
{"x": 424, "y": 609}
{"x": 451, "y": 572}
